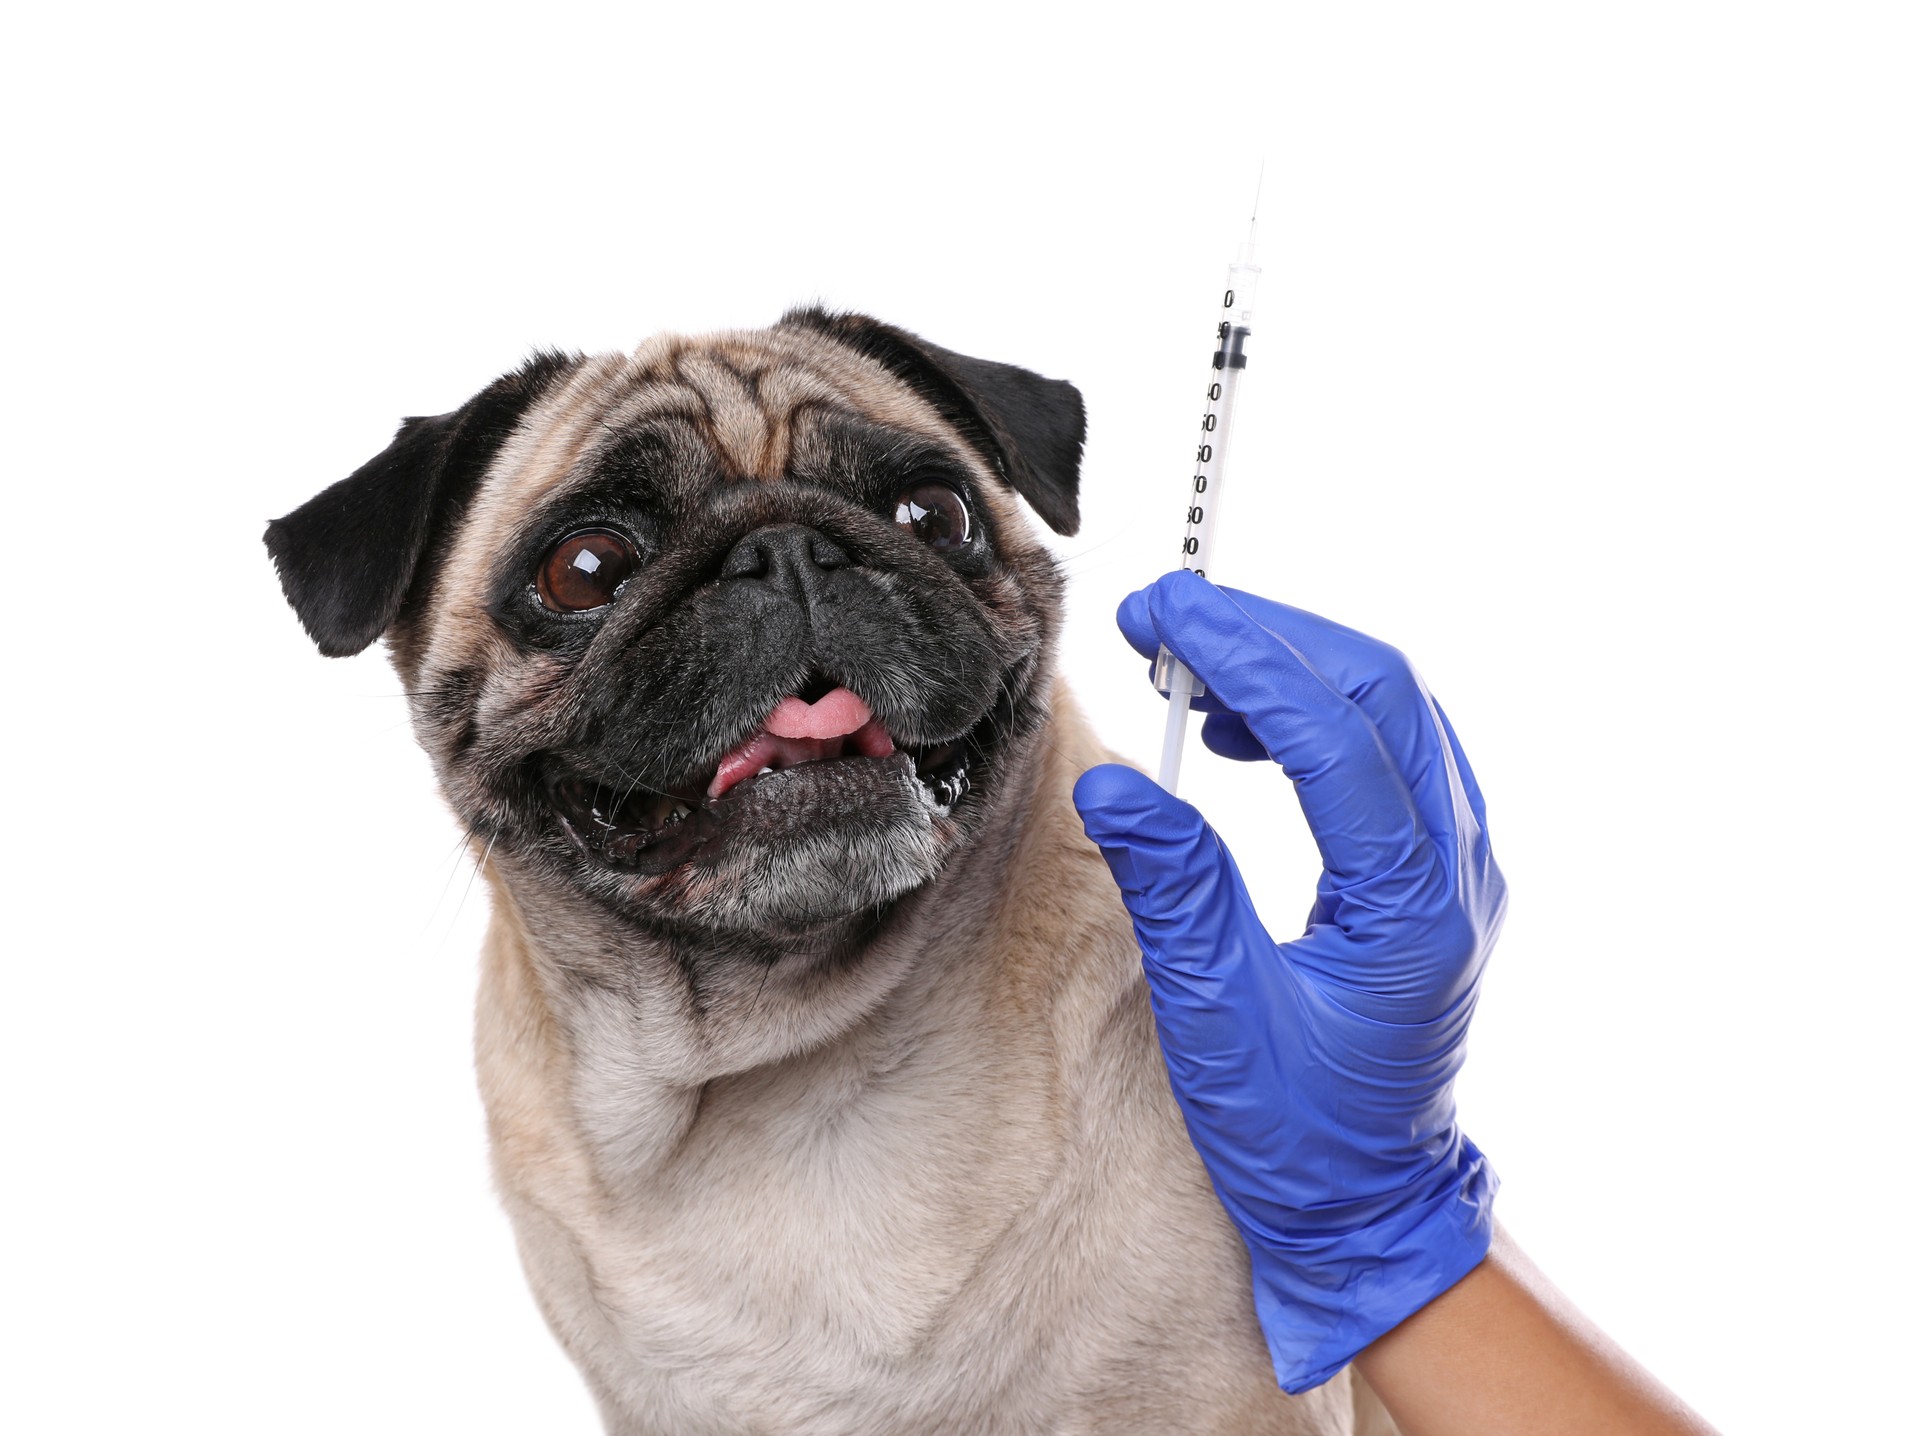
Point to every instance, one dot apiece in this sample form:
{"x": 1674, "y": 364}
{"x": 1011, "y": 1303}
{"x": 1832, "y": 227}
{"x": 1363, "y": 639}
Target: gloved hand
{"x": 1316, "y": 1075}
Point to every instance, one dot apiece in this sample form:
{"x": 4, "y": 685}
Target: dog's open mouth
{"x": 649, "y": 830}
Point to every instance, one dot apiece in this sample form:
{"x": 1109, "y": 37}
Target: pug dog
{"x": 821, "y": 1081}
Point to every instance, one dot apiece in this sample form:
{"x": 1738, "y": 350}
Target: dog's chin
{"x": 788, "y": 851}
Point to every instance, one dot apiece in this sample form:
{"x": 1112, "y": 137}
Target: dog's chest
{"x": 828, "y": 1251}
{"x": 991, "y": 1221}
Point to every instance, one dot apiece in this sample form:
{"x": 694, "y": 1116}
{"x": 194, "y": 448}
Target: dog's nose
{"x": 788, "y": 556}
{"x": 782, "y": 553}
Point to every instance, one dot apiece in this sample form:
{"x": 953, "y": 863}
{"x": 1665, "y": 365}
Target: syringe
{"x": 1170, "y": 675}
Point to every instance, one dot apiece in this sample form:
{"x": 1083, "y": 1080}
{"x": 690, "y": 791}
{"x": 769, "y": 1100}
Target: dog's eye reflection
{"x": 584, "y": 569}
{"x": 935, "y": 513}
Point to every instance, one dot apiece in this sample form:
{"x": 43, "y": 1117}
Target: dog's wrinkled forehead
{"x": 405, "y": 544}
{"x": 750, "y": 405}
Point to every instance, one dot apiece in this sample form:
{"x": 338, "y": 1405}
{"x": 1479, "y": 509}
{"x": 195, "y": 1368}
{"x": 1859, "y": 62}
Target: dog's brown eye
{"x": 584, "y": 569}
{"x": 935, "y": 513}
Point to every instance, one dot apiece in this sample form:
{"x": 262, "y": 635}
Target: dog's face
{"x": 735, "y": 638}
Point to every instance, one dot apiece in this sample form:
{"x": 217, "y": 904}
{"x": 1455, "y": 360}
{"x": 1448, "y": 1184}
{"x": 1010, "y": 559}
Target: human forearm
{"x": 1504, "y": 1351}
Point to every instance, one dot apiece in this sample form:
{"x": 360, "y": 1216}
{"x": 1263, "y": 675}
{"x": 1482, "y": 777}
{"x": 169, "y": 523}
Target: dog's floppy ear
{"x": 1031, "y": 428}
{"x": 350, "y": 556}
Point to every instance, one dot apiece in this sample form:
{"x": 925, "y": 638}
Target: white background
{"x": 1586, "y": 374}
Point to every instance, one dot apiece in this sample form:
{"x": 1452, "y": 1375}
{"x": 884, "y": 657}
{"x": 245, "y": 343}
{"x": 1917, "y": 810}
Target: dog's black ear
{"x": 350, "y": 556}
{"x": 1031, "y": 428}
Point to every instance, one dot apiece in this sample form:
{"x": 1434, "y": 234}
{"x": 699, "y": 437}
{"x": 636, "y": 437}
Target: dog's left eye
{"x": 584, "y": 569}
{"x": 935, "y": 513}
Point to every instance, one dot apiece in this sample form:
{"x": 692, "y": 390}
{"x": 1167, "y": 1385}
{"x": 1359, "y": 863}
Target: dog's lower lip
{"x": 625, "y": 826}
{"x": 783, "y": 745}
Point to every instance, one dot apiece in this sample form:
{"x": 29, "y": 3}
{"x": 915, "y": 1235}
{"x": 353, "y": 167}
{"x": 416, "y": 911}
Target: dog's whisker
{"x": 468, "y": 834}
{"x": 467, "y": 891}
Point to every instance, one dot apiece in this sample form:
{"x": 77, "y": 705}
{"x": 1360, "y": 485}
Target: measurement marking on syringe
{"x": 1225, "y": 366}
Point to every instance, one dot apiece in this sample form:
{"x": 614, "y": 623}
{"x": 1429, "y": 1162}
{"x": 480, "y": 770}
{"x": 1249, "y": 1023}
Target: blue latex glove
{"x": 1316, "y": 1075}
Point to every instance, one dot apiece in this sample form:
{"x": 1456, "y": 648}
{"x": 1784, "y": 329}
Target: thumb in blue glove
{"x": 1316, "y": 1075}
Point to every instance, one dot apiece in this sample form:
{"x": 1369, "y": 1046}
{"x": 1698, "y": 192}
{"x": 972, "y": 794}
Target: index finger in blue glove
{"x": 1360, "y": 810}
{"x": 1373, "y": 675}
{"x": 1227, "y": 734}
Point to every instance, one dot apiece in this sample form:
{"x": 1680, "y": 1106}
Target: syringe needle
{"x": 1253, "y": 220}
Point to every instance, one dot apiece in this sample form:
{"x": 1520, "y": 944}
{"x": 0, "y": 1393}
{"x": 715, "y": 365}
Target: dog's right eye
{"x": 585, "y": 569}
{"x": 935, "y": 513}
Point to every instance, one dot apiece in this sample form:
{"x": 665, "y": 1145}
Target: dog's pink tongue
{"x": 834, "y": 716}
{"x": 839, "y": 725}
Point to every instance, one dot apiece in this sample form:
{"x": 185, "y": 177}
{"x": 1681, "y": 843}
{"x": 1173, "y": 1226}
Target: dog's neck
{"x": 629, "y": 1030}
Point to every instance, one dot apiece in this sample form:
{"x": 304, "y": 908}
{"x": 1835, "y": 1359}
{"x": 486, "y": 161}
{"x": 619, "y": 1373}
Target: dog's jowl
{"x": 821, "y": 1081}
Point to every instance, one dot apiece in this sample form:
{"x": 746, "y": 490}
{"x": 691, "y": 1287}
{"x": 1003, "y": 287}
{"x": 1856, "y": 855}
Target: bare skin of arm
{"x": 1505, "y": 1352}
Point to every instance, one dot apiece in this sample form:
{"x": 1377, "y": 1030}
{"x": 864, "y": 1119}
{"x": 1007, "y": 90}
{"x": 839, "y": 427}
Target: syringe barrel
{"x": 1228, "y": 362}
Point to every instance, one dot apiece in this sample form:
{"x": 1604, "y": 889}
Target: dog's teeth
{"x": 948, "y": 790}
{"x": 763, "y": 772}
{"x": 680, "y": 810}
